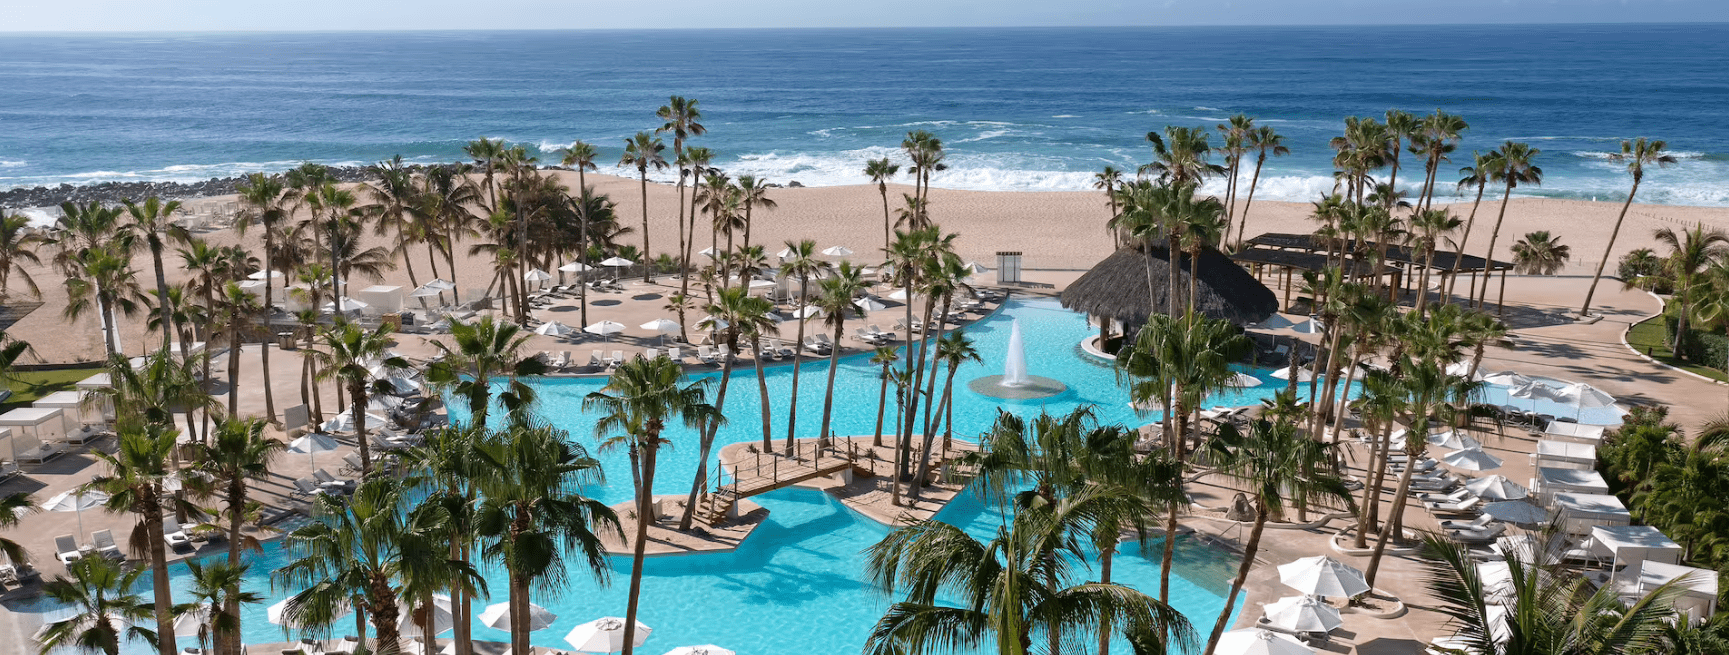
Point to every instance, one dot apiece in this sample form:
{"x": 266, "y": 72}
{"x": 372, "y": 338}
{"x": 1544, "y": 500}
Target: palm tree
{"x": 1428, "y": 228}
{"x": 636, "y": 403}
{"x": 961, "y": 593}
{"x": 483, "y": 350}
{"x": 1109, "y": 180}
{"x": 18, "y": 245}
{"x": 580, "y": 156}
{"x": 1265, "y": 140}
{"x": 1538, "y": 253}
{"x": 1514, "y": 166}
{"x": 643, "y": 152}
{"x": 1437, "y": 138}
{"x": 240, "y": 309}
{"x": 1401, "y": 127}
{"x": 1277, "y": 464}
{"x": 153, "y": 224}
{"x": 529, "y": 481}
{"x": 1428, "y": 390}
{"x": 106, "y": 284}
{"x": 884, "y": 356}
{"x": 756, "y": 328}
{"x": 953, "y": 349}
{"x": 394, "y": 195}
{"x": 681, "y": 116}
{"x": 1637, "y": 154}
{"x": 13, "y": 508}
{"x": 1690, "y": 252}
{"x": 803, "y": 265}
{"x": 216, "y": 589}
{"x": 333, "y": 209}
{"x": 880, "y": 172}
{"x": 753, "y": 193}
{"x": 698, "y": 159}
{"x": 349, "y": 355}
{"x": 238, "y": 454}
{"x": 729, "y": 315}
{"x": 1180, "y": 156}
{"x": 1475, "y": 175}
{"x": 137, "y": 471}
{"x": 836, "y": 303}
{"x": 487, "y": 153}
{"x": 151, "y": 391}
{"x": 354, "y": 554}
{"x": 926, "y": 152}
{"x": 107, "y": 607}
{"x": 266, "y": 203}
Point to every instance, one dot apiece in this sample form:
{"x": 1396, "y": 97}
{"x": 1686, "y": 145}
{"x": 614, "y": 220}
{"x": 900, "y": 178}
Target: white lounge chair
{"x": 1477, "y": 535}
{"x": 103, "y": 540}
{"x": 828, "y": 346}
{"x": 1482, "y": 521}
{"x": 1460, "y": 506}
{"x": 616, "y": 358}
{"x": 594, "y": 360}
{"x": 707, "y": 355}
{"x": 675, "y": 354}
{"x": 651, "y": 353}
{"x": 780, "y": 348}
{"x": 725, "y": 352}
{"x": 173, "y": 534}
{"x": 66, "y": 549}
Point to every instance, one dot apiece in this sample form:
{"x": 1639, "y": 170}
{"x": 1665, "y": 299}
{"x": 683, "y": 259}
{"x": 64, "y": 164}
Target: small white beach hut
{"x": 1553, "y": 453}
{"x": 80, "y": 406}
{"x": 381, "y": 299}
{"x": 1628, "y": 545}
{"x": 1577, "y": 513}
{"x": 1552, "y": 481}
{"x": 41, "y": 425}
{"x": 1697, "y": 599}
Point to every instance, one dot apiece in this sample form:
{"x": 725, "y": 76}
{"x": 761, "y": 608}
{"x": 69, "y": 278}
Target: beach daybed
{"x": 1628, "y": 545}
{"x": 1552, "y": 453}
{"x": 103, "y": 541}
{"x": 1577, "y": 513}
{"x": 173, "y": 534}
{"x": 1552, "y": 481}
{"x": 66, "y": 549}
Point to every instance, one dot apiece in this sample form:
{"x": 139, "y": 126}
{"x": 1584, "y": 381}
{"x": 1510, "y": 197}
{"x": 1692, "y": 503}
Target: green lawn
{"x": 27, "y": 386}
{"x": 1647, "y": 337}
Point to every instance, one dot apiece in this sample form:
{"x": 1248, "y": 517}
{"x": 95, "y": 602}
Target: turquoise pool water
{"x": 796, "y": 585}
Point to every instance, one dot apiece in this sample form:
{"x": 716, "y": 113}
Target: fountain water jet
{"x": 1015, "y": 383}
{"x": 1015, "y": 364}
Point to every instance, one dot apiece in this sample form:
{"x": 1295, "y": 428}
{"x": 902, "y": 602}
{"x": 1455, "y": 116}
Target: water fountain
{"x": 1015, "y": 383}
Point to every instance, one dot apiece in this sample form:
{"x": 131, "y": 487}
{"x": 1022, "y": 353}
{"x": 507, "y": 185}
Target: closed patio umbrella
{"x": 1303, "y": 374}
{"x": 1240, "y": 380}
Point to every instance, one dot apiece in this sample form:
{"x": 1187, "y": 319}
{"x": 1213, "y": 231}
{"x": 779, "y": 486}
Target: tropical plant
{"x": 803, "y": 265}
{"x": 1690, "y": 253}
{"x": 1514, "y": 165}
{"x": 1637, "y": 154}
{"x": 1476, "y": 175}
{"x": 1641, "y": 268}
{"x": 103, "y": 598}
{"x": 238, "y": 308}
{"x": 153, "y": 224}
{"x": 13, "y": 508}
{"x": 1539, "y": 253}
{"x": 1107, "y": 180}
{"x": 836, "y": 302}
{"x": 953, "y": 349}
{"x": 138, "y": 471}
{"x": 733, "y": 310}
{"x": 482, "y": 351}
{"x": 681, "y": 116}
{"x": 640, "y": 397}
{"x": 235, "y": 456}
{"x": 1436, "y": 138}
{"x": 18, "y": 245}
{"x": 643, "y": 152}
{"x": 1265, "y": 140}
{"x": 106, "y": 284}
{"x": 265, "y": 203}
{"x": 350, "y": 353}
{"x": 880, "y": 171}
{"x": 216, "y": 593}
{"x": 884, "y": 356}
{"x": 1429, "y": 228}
{"x": 1180, "y": 156}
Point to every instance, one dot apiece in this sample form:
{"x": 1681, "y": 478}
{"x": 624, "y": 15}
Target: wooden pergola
{"x": 1300, "y": 251}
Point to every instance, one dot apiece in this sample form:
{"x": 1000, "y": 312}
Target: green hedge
{"x": 1705, "y": 348}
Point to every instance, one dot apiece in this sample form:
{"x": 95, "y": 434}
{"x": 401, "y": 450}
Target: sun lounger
{"x": 8, "y": 469}
{"x": 707, "y": 355}
{"x": 82, "y": 435}
{"x": 675, "y": 354}
{"x": 651, "y": 353}
{"x": 1479, "y": 523}
{"x": 725, "y": 352}
{"x": 827, "y": 345}
{"x": 329, "y": 482}
{"x": 865, "y": 336}
{"x": 1480, "y": 535}
{"x": 1461, "y": 506}
{"x": 881, "y": 333}
{"x": 350, "y": 464}
{"x": 616, "y": 358}
{"x": 305, "y": 489}
{"x": 562, "y": 361}
{"x": 1453, "y": 496}
{"x": 103, "y": 540}
{"x": 40, "y": 454}
{"x": 594, "y": 360}
{"x": 173, "y": 534}
{"x": 780, "y": 348}
{"x": 811, "y": 344}
{"x": 66, "y": 549}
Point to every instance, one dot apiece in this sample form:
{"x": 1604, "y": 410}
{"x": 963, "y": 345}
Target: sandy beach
{"x": 1055, "y": 230}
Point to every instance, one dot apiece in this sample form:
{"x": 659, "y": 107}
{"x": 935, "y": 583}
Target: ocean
{"x": 1019, "y": 109}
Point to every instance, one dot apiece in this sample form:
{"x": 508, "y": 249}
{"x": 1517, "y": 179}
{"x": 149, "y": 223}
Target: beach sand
{"x": 1054, "y": 230}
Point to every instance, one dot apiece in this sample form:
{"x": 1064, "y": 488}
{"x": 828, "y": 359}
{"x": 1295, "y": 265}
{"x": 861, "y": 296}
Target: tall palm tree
{"x": 13, "y": 508}
{"x": 1007, "y": 589}
{"x": 1475, "y": 175}
{"x": 884, "y": 356}
{"x": 1690, "y": 252}
{"x": 1429, "y": 227}
{"x": 216, "y": 588}
{"x": 137, "y": 471}
{"x": 235, "y": 456}
{"x": 105, "y": 284}
{"x": 240, "y": 310}
{"x": 266, "y": 202}
{"x": 393, "y": 195}
{"x": 925, "y": 151}
{"x": 756, "y": 329}
{"x": 103, "y": 596}
{"x": 1539, "y": 253}
{"x": 480, "y": 352}
{"x": 1107, "y": 180}
{"x": 580, "y": 156}
{"x": 681, "y": 116}
{"x": 953, "y": 350}
{"x": 354, "y": 554}
{"x": 643, "y": 152}
{"x": 640, "y": 397}
{"x": 153, "y": 225}
{"x": 1428, "y": 390}
{"x": 880, "y": 171}
{"x": 82, "y": 228}
{"x": 1277, "y": 464}
{"x": 1515, "y": 166}
{"x": 1437, "y": 137}
{"x": 1264, "y": 140}
{"x": 152, "y": 391}
{"x": 529, "y": 481}
{"x": 836, "y": 303}
{"x": 1401, "y": 127}
{"x": 1180, "y": 156}
{"x": 350, "y": 352}
{"x": 18, "y": 245}
{"x": 334, "y": 213}
{"x": 803, "y": 265}
{"x": 698, "y": 159}
{"x": 733, "y": 313}
{"x": 1236, "y": 133}
{"x": 487, "y": 153}
{"x": 753, "y": 193}
{"x": 1637, "y": 154}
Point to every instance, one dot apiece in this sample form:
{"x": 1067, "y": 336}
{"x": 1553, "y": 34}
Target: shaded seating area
{"x": 1117, "y": 292}
{"x": 1403, "y": 263}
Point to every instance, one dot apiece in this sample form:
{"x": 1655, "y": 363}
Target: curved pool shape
{"x": 1495, "y": 394}
{"x": 796, "y": 586}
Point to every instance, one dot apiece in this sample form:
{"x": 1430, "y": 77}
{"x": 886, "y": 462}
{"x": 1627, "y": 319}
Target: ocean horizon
{"x": 1020, "y": 109}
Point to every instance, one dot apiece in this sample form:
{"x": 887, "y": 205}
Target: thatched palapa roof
{"x": 1116, "y": 288}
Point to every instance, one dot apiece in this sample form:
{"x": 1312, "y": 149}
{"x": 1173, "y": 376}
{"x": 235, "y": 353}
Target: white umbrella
{"x": 438, "y": 615}
{"x": 348, "y": 305}
{"x": 1303, "y": 614}
{"x": 1496, "y": 487}
{"x": 1580, "y": 396}
{"x": 1452, "y": 440}
{"x": 553, "y": 329}
{"x": 274, "y": 275}
{"x": 761, "y": 284}
{"x": 190, "y": 621}
{"x": 975, "y": 268}
{"x": 440, "y": 284}
{"x": 663, "y": 327}
{"x": 616, "y": 261}
{"x": 1471, "y": 459}
{"x": 383, "y": 403}
{"x": 706, "y": 252}
{"x": 73, "y": 501}
{"x": 1507, "y": 379}
{"x": 785, "y": 253}
{"x": 714, "y": 322}
{"x": 1459, "y": 369}
{"x": 1255, "y": 641}
{"x": 276, "y": 613}
{"x": 344, "y": 422}
{"x": 313, "y": 444}
{"x": 705, "y": 649}
{"x": 837, "y": 251}
{"x": 1243, "y": 380}
{"x": 807, "y": 311}
{"x": 1537, "y": 391}
{"x": 870, "y": 304}
{"x": 899, "y": 294}
{"x": 536, "y": 275}
{"x": 1303, "y": 374}
{"x": 402, "y": 384}
{"x": 605, "y": 328}
{"x": 574, "y": 267}
{"x": 1323, "y": 576}
{"x": 1516, "y": 511}
{"x": 498, "y": 617}
{"x": 605, "y": 635}
{"x": 425, "y": 291}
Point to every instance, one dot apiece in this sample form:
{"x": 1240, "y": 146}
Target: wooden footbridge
{"x": 758, "y": 472}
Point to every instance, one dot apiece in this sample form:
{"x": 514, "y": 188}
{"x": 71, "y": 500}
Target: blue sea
{"x": 1020, "y": 109}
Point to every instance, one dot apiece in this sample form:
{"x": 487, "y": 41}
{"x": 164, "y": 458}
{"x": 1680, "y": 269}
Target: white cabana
{"x": 83, "y": 407}
{"x": 1576, "y": 513}
{"x": 1551, "y": 481}
{"x": 1698, "y": 587}
{"x": 1628, "y": 545}
{"x": 43, "y": 425}
{"x": 1565, "y": 455}
{"x": 1574, "y": 432}
{"x": 381, "y": 298}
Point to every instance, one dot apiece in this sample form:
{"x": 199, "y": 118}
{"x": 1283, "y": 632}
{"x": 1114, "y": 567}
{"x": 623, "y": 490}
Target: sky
{"x": 244, "y": 15}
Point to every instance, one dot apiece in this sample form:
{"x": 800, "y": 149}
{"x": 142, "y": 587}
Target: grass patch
{"x": 1647, "y": 337}
{"x": 27, "y": 386}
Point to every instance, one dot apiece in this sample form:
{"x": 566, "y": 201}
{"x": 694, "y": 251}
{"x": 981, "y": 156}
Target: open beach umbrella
{"x": 837, "y": 251}
{"x": 705, "y": 649}
{"x": 1497, "y": 487}
{"x": 73, "y": 501}
{"x": 1255, "y": 641}
{"x": 277, "y": 613}
{"x": 869, "y": 304}
{"x": 1516, "y": 511}
{"x": 706, "y": 252}
{"x": 348, "y": 305}
{"x": 425, "y": 291}
{"x": 536, "y": 275}
{"x": 498, "y": 617}
{"x": 1507, "y": 379}
{"x": 714, "y": 322}
{"x": 1243, "y": 380}
{"x": 1535, "y": 391}
{"x": 314, "y": 443}
{"x": 440, "y": 284}
{"x": 259, "y": 275}
{"x": 192, "y": 619}
{"x": 383, "y": 403}
{"x": 574, "y": 267}
{"x": 975, "y": 268}
{"x": 616, "y": 263}
{"x": 662, "y": 327}
{"x": 604, "y": 635}
{"x": 1459, "y": 369}
{"x": 899, "y": 294}
{"x": 1303, "y": 374}
{"x": 1323, "y": 576}
{"x": 1453, "y": 440}
{"x": 439, "y": 616}
{"x": 807, "y": 311}
{"x": 785, "y": 253}
{"x": 344, "y": 422}
{"x": 1581, "y": 396}
{"x": 1302, "y": 614}
{"x": 605, "y": 328}
{"x": 1471, "y": 459}
{"x": 553, "y": 329}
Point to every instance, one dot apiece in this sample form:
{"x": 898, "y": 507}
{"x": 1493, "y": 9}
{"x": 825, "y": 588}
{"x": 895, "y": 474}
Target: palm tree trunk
{"x": 159, "y": 574}
{"x": 357, "y": 390}
{"x": 1368, "y": 515}
{"x": 833, "y": 365}
{"x": 170, "y": 327}
{"x": 704, "y": 444}
{"x": 264, "y": 353}
{"x": 887, "y": 232}
{"x": 384, "y": 617}
{"x": 1243, "y": 221}
{"x": 1494, "y": 236}
{"x": 1106, "y": 554}
{"x": 1465, "y": 239}
{"x": 1586, "y": 308}
{"x": 234, "y": 328}
{"x": 797, "y": 355}
{"x": 459, "y": 600}
{"x": 647, "y": 255}
{"x": 1399, "y": 502}
{"x": 882, "y": 406}
{"x": 518, "y": 615}
{"x": 644, "y": 512}
{"x": 107, "y": 322}
{"x": 1242, "y": 575}
{"x": 762, "y": 388}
